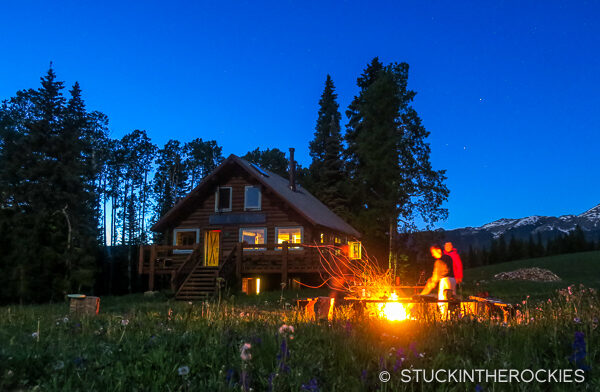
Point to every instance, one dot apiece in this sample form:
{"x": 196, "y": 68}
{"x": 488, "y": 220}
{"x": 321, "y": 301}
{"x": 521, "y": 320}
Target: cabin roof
{"x": 300, "y": 200}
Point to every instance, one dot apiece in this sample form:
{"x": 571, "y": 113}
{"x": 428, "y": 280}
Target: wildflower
{"x": 286, "y": 329}
{"x": 283, "y": 355}
{"x": 245, "y": 352}
{"x": 170, "y": 314}
{"x": 271, "y": 377}
{"x": 35, "y": 335}
{"x": 413, "y": 347}
{"x": 570, "y": 290}
{"x": 65, "y": 319}
{"x": 58, "y": 365}
{"x": 549, "y": 301}
{"x": 579, "y": 351}
{"x": 189, "y": 302}
{"x": 124, "y": 322}
{"x": 363, "y": 376}
{"x": 229, "y": 376}
{"x": 400, "y": 357}
{"x": 312, "y": 386}
{"x": 348, "y": 328}
{"x": 478, "y": 388}
{"x": 577, "y": 320}
{"x": 183, "y": 370}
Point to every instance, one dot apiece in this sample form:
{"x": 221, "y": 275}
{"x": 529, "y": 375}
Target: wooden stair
{"x": 200, "y": 283}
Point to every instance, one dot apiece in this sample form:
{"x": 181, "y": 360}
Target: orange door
{"x": 211, "y": 248}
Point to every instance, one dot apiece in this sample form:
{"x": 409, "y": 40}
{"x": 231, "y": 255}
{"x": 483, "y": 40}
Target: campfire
{"x": 362, "y": 280}
{"x": 372, "y": 289}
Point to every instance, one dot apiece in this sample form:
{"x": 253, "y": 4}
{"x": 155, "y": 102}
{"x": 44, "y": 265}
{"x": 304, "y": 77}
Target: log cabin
{"x": 244, "y": 226}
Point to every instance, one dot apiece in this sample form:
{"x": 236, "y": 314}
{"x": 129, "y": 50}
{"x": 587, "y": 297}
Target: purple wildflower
{"x": 312, "y": 386}
{"x": 229, "y": 376}
{"x": 478, "y": 388}
{"x": 348, "y": 328}
{"x": 283, "y": 355}
{"x": 271, "y": 377}
{"x": 363, "y": 376}
{"x": 413, "y": 347}
{"x": 579, "y": 351}
{"x": 400, "y": 357}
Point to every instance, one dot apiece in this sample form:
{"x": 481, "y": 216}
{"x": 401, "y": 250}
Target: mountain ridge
{"x": 544, "y": 227}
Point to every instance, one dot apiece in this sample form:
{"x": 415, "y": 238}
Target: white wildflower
{"x": 184, "y": 370}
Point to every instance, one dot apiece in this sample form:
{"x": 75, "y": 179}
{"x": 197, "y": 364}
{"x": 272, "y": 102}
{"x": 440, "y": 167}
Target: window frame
{"x": 241, "y": 236}
{"x": 290, "y": 245}
{"x": 246, "y": 208}
{"x": 175, "y": 231}
{"x": 217, "y": 194}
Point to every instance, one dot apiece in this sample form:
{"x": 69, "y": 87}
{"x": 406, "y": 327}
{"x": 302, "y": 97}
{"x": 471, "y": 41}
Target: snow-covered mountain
{"x": 545, "y": 226}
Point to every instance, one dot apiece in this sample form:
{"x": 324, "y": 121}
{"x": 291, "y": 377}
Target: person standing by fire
{"x": 456, "y": 262}
{"x": 443, "y": 273}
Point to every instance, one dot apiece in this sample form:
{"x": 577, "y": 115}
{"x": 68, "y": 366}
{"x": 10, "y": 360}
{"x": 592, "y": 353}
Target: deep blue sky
{"x": 509, "y": 92}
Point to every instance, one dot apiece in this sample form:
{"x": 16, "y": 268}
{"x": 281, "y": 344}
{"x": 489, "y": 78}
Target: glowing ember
{"x": 393, "y": 311}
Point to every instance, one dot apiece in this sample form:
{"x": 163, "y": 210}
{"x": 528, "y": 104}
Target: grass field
{"x": 576, "y": 268}
{"x": 243, "y": 343}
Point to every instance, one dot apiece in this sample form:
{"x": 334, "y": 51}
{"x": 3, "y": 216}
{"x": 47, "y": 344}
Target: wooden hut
{"x": 246, "y": 225}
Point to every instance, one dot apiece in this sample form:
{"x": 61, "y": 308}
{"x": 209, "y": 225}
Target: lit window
{"x": 253, "y": 236}
{"x": 293, "y": 235}
{"x": 322, "y": 238}
{"x": 251, "y": 286}
{"x": 252, "y": 198}
{"x": 354, "y": 250}
{"x": 185, "y": 237}
{"x": 223, "y": 199}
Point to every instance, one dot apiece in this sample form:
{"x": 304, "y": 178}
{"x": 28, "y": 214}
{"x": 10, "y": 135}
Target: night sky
{"x": 510, "y": 92}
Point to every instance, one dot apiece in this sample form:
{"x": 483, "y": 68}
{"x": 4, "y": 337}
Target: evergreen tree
{"x": 271, "y": 159}
{"x": 326, "y": 170}
{"x": 202, "y": 158}
{"x": 170, "y": 180}
{"x": 387, "y": 157}
{"x": 47, "y": 182}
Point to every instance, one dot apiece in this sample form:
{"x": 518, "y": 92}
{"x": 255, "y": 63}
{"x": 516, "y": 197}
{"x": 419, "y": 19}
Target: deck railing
{"x": 244, "y": 258}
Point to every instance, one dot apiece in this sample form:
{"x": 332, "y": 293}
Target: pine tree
{"x": 388, "y": 158}
{"x": 202, "y": 158}
{"x": 271, "y": 159}
{"x": 326, "y": 170}
{"x": 47, "y": 177}
{"x": 170, "y": 180}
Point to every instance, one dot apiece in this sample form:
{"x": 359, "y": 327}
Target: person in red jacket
{"x": 456, "y": 261}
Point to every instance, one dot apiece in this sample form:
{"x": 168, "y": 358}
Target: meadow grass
{"x": 575, "y": 268}
{"x": 242, "y": 343}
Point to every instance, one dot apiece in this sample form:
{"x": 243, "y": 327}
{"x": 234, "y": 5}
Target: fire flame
{"x": 393, "y": 311}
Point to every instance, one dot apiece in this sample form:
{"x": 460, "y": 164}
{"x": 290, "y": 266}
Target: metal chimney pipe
{"x": 292, "y": 170}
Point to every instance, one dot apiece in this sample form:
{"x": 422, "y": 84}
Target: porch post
{"x": 238, "y": 262}
{"x": 152, "y": 267}
{"x": 284, "y": 263}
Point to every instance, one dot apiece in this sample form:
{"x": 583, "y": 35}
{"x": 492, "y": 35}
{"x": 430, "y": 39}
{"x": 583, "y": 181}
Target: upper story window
{"x": 252, "y": 198}
{"x": 223, "y": 199}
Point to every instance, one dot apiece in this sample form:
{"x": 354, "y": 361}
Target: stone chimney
{"x": 292, "y": 170}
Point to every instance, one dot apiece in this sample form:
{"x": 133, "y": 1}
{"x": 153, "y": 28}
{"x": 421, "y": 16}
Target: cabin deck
{"x": 185, "y": 264}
